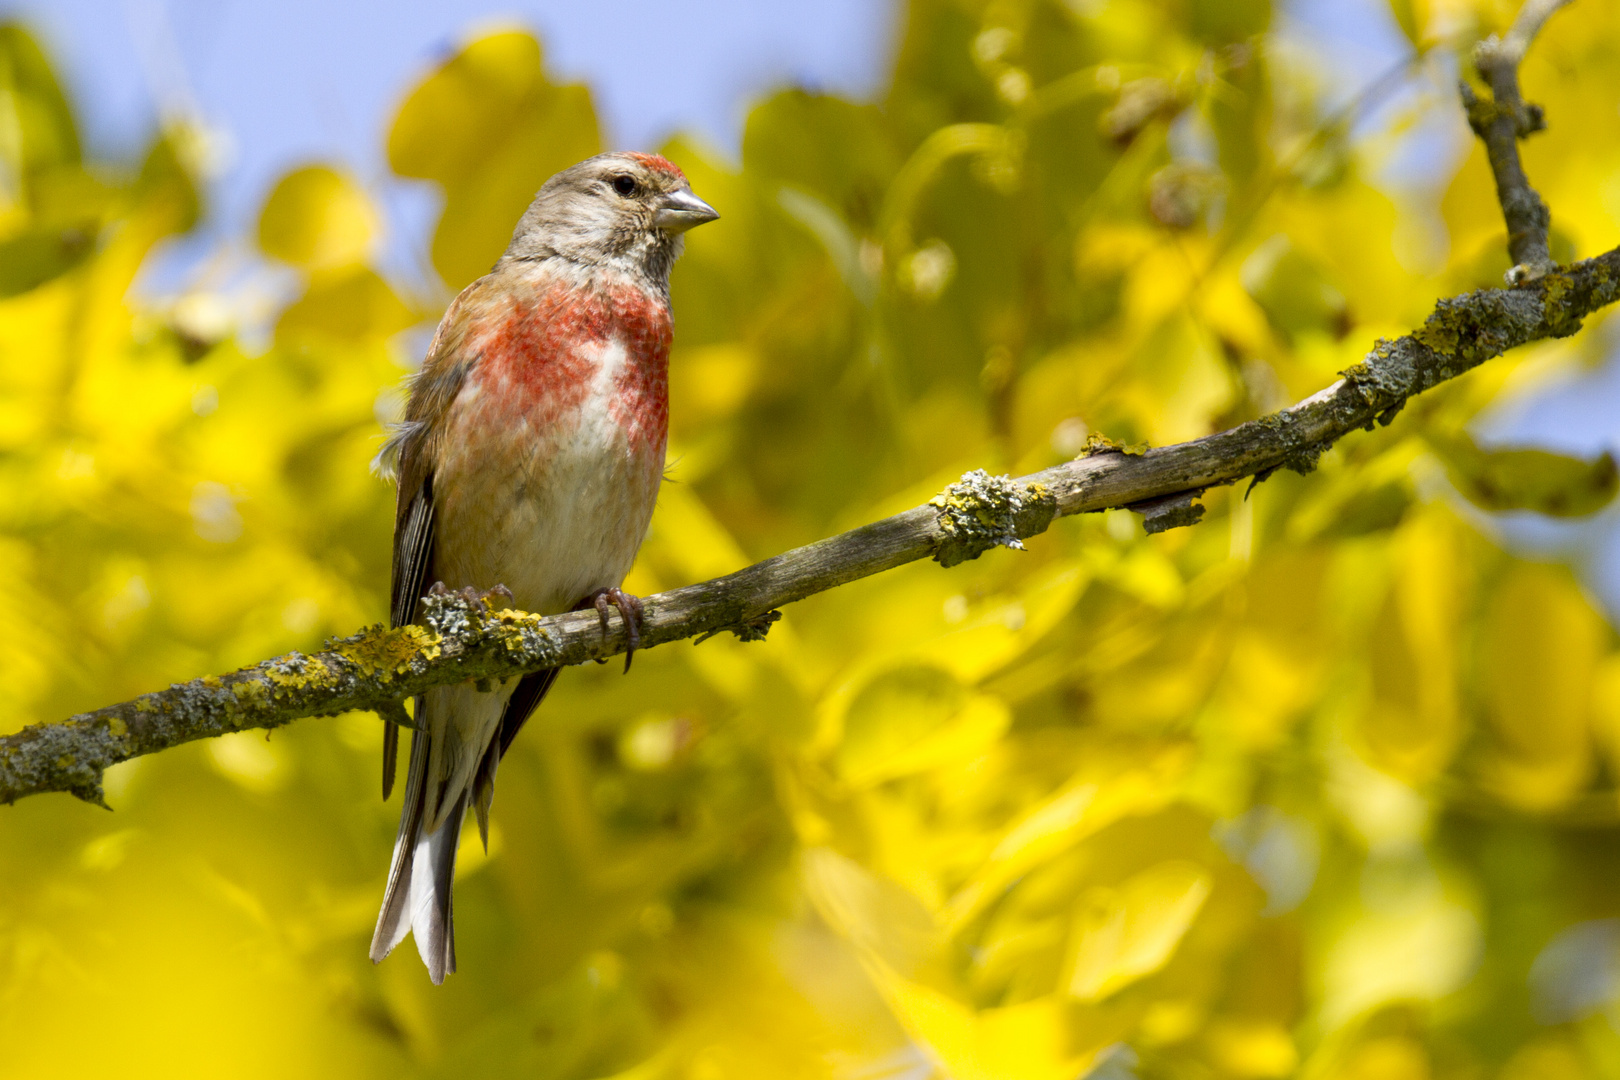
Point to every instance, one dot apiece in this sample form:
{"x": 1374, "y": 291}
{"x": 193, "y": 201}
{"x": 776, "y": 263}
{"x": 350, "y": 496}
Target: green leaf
{"x": 1221, "y": 22}
{"x": 839, "y": 152}
{"x": 1294, "y": 291}
{"x": 1406, "y": 17}
{"x": 1527, "y": 479}
{"x": 41, "y": 132}
{"x": 165, "y": 191}
{"x": 39, "y": 255}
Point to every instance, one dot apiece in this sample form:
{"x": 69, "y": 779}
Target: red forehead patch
{"x": 657, "y": 164}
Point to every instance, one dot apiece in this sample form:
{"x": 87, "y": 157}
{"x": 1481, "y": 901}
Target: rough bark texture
{"x": 1500, "y": 123}
{"x": 466, "y": 637}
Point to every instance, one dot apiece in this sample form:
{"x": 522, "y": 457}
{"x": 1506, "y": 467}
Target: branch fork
{"x": 1500, "y": 123}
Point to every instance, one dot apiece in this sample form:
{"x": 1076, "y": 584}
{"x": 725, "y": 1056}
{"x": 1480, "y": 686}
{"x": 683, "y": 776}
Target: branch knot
{"x": 981, "y": 511}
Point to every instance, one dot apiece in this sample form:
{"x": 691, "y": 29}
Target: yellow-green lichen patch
{"x": 514, "y": 630}
{"x": 299, "y": 672}
{"x": 1438, "y": 335}
{"x": 116, "y": 725}
{"x": 249, "y": 690}
{"x": 1556, "y": 286}
{"x": 981, "y": 511}
{"x": 389, "y": 651}
{"x": 1098, "y": 443}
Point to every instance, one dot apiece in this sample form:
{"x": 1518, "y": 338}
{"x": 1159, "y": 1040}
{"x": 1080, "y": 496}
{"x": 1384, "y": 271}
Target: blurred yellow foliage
{"x": 1305, "y": 789}
{"x": 317, "y": 218}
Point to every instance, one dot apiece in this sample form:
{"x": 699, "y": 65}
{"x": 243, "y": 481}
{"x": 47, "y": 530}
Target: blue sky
{"x": 290, "y": 81}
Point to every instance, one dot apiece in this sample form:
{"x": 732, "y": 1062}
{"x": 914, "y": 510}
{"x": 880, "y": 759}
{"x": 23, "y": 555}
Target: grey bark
{"x": 1500, "y": 123}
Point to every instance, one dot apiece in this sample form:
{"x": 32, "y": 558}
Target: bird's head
{"x": 625, "y": 211}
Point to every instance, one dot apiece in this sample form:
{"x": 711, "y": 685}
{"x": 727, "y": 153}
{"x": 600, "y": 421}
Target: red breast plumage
{"x": 530, "y": 457}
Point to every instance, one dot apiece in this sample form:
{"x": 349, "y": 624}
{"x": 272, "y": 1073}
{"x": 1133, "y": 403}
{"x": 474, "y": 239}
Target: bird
{"x": 528, "y": 461}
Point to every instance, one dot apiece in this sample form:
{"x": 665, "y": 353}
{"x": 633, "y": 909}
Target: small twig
{"x": 1500, "y": 123}
{"x": 1532, "y": 16}
{"x": 462, "y": 639}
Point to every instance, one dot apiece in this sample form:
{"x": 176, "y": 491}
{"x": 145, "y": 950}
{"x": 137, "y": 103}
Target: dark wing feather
{"x": 413, "y": 554}
{"x": 391, "y": 753}
{"x": 524, "y": 700}
{"x": 519, "y": 707}
{"x": 410, "y": 454}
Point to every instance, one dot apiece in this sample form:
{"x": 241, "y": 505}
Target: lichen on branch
{"x": 466, "y": 638}
{"x": 1500, "y": 123}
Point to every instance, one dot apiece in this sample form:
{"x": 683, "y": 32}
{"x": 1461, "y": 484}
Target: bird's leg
{"x": 629, "y": 607}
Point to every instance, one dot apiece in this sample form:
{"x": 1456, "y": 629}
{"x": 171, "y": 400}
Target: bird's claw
{"x": 630, "y": 610}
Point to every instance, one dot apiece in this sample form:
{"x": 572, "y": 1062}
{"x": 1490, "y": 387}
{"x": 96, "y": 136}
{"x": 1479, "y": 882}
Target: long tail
{"x": 419, "y": 899}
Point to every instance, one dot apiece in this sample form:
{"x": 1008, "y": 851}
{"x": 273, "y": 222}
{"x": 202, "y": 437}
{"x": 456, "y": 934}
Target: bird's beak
{"x": 681, "y": 210}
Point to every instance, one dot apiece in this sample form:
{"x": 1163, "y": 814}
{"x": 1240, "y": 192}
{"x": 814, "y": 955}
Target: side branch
{"x": 463, "y": 638}
{"x": 1500, "y": 123}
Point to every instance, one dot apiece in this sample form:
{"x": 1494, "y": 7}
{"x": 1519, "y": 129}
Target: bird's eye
{"x": 624, "y": 185}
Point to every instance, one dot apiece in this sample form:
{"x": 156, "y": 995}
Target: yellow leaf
{"x": 1267, "y": 684}
{"x": 1123, "y": 934}
{"x": 1419, "y": 947}
{"x": 489, "y": 127}
{"x": 912, "y": 717}
{"x": 1414, "y": 723}
{"x": 1028, "y": 1041}
{"x": 1294, "y": 290}
{"x": 1539, "y": 653}
{"x": 1077, "y": 810}
{"x": 346, "y": 306}
{"x": 451, "y": 118}
{"x": 1606, "y": 708}
{"x": 874, "y": 913}
{"x": 317, "y": 218}
{"x": 1256, "y": 1048}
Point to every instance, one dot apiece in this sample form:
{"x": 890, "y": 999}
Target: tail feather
{"x": 418, "y": 898}
{"x": 431, "y": 897}
{"x": 393, "y": 922}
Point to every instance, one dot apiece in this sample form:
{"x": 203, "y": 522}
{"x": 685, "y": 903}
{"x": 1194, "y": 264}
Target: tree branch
{"x": 1500, "y": 123}
{"x": 464, "y": 638}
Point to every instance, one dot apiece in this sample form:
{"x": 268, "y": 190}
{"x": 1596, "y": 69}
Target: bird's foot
{"x": 629, "y": 607}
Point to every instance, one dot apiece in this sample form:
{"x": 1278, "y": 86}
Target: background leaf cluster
{"x": 1324, "y": 786}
